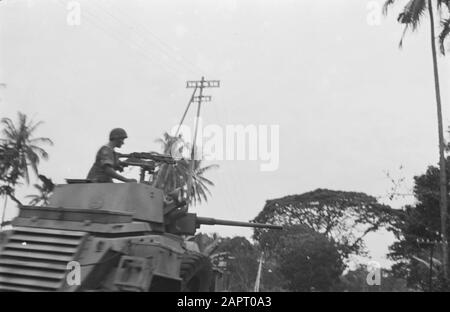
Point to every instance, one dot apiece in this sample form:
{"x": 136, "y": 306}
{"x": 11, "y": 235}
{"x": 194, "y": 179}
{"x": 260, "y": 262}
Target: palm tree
{"x": 200, "y": 184}
{"x": 19, "y": 150}
{"x": 45, "y": 191}
{"x": 172, "y": 177}
{"x": 411, "y": 16}
{"x": 168, "y": 177}
{"x": 9, "y": 175}
{"x": 9, "y": 165}
{"x": 20, "y": 138}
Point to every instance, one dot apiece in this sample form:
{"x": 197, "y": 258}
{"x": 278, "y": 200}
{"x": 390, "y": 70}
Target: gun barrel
{"x": 212, "y": 221}
{"x": 152, "y": 156}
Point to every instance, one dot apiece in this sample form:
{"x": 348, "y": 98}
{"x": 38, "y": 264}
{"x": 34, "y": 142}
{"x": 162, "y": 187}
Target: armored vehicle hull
{"x": 99, "y": 237}
{"x": 106, "y": 237}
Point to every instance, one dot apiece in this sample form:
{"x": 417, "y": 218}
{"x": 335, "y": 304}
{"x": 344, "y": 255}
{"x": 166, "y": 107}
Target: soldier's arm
{"x": 113, "y": 174}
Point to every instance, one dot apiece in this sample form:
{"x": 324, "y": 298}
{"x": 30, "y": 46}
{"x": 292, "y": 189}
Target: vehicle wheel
{"x": 196, "y": 272}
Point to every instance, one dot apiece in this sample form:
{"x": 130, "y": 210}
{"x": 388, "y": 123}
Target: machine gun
{"x": 152, "y": 156}
{"x": 146, "y": 161}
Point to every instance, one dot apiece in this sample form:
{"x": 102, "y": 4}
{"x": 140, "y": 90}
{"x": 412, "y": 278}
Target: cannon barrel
{"x": 212, "y": 221}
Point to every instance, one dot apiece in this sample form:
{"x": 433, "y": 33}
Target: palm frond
{"x": 39, "y": 151}
{"x": 34, "y": 201}
{"x": 202, "y": 170}
{"x": 444, "y": 34}
{"x": 386, "y": 6}
{"x": 10, "y": 131}
{"x": 47, "y": 183}
{"x": 31, "y": 128}
{"x": 400, "y": 44}
{"x": 207, "y": 181}
{"x": 33, "y": 158}
{"x": 443, "y": 2}
{"x": 412, "y": 13}
{"x": 204, "y": 187}
{"x": 26, "y": 174}
{"x": 42, "y": 140}
{"x": 38, "y": 187}
{"x": 201, "y": 193}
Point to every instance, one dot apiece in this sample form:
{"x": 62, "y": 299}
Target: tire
{"x": 195, "y": 272}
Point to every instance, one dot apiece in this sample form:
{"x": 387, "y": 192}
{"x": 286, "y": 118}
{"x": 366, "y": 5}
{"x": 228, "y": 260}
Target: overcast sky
{"x": 350, "y": 105}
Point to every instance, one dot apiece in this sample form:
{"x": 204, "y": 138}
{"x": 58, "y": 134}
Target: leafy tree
{"x": 172, "y": 177}
{"x": 306, "y": 259}
{"x": 418, "y": 232}
{"x": 356, "y": 281}
{"x": 343, "y": 217}
{"x": 243, "y": 263}
{"x": 411, "y": 16}
{"x": 240, "y": 255}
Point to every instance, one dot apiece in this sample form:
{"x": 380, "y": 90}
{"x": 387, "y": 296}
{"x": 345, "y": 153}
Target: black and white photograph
{"x": 241, "y": 147}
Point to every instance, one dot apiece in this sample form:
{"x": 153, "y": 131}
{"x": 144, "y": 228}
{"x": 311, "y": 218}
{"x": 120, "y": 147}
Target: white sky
{"x": 350, "y": 105}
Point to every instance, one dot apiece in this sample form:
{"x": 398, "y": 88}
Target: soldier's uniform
{"x": 106, "y": 156}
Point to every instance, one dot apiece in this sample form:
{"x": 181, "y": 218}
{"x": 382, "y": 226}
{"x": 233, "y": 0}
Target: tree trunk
{"x": 4, "y": 212}
{"x": 442, "y": 169}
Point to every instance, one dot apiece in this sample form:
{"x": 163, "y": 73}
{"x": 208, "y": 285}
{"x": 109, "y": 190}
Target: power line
{"x": 142, "y": 32}
{"x": 137, "y": 43}
{"x": 169, "y": 48}
{"x": 96, "y": 21}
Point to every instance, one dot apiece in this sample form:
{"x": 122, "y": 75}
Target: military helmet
{"x": 118, "y": 133}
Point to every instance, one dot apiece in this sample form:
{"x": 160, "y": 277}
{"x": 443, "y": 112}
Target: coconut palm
{"x": 19, "y": 149}
{"x": 20, "y": 138}
{"x": 169, "y": 177}
{"x": 9, "y": 165}
{"x": 200, "y": 185}
{"x": 45, "y": 190}
{"x": 172, "y": 177}
{"x": 10, "y": 173}
{"x": 412, "y": 14}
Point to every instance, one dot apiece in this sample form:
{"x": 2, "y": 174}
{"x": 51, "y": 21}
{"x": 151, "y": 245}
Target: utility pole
{"x": 258, "y": 276}
{"x": 198, "y": 84}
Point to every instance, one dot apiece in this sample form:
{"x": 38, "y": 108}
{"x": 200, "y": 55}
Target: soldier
{"x": 107, "y": 161}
